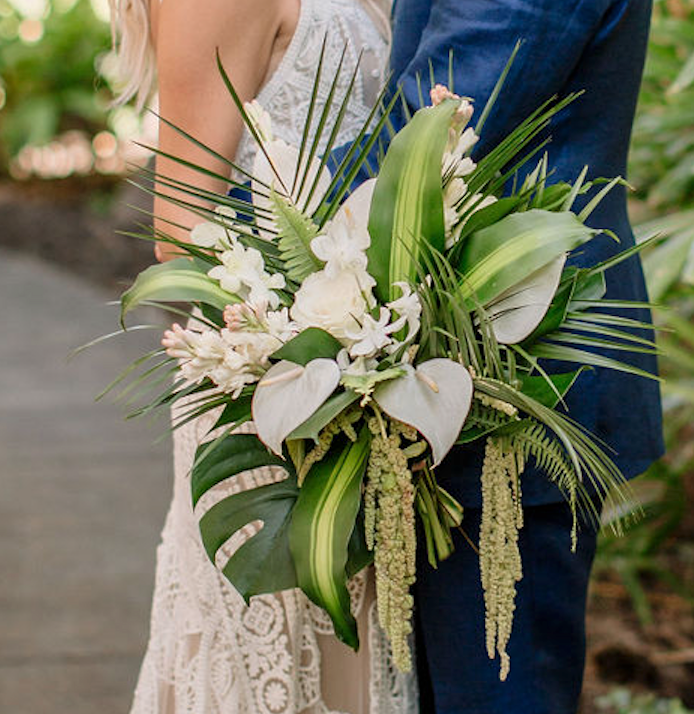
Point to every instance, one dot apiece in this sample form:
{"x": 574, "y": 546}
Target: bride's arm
{"x": 192, "y": 94}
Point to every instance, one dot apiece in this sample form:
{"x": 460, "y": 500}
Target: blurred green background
{"x": 65, "y": 150}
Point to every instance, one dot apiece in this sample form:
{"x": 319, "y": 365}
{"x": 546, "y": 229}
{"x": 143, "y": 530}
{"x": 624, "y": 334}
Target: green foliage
{"x": 407, "y": 208}
{"x": 51, "y": 85}
{"x": 622, "y": 701}
{"x": 321, "y": 529}
{"x": 296, "y": 231}
{"x": 660, "y": 167}
{"x": 179, "y": 280}
{"x": 262, "y": 564}
{"x": 312, "y": 343}
{"x": 496, "y": 258}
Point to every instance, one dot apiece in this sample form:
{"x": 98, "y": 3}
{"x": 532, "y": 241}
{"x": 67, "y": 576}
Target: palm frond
{"x": 497, "y": 87}
{"x": 356, "y": 157}
{"x": 590, "y": 464}
{"x": 296, "y": 231}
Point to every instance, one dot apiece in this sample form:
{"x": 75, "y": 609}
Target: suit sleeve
{"x": 481, "y": 35}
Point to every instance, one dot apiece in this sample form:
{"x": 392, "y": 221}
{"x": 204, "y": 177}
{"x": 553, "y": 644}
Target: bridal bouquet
{"x": 367, "y": 334}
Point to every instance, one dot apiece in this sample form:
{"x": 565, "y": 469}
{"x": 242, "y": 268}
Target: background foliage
{"x": 662, "y": 171}
{"x": 49, "y": 52}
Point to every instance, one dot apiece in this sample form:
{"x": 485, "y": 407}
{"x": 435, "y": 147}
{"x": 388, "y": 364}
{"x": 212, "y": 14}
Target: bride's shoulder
{"x": 189, "y": 31}
{"x": 224, "y": 17}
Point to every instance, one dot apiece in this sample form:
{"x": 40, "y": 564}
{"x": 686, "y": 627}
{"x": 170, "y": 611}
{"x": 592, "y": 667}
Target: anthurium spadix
{"x": 515, "y": 314}
{"x": 288, "y": 394}
{"x": 407, "y": 208}
{"x": 434, "y": 397}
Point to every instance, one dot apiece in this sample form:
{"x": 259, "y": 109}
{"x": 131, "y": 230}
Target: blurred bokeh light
{"x": 57, "y": 117}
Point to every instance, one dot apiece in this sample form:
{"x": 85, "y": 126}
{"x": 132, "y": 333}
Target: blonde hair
{"x": 132, "y": 39}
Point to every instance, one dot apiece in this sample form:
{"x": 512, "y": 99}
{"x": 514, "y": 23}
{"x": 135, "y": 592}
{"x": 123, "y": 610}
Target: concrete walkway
{"x": 83, "y": 496}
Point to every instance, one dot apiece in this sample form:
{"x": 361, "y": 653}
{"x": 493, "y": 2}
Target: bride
{"x": 208, "y": 652}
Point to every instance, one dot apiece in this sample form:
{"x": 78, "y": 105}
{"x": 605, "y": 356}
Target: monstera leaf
{"x": 309, "y": 538}
{"x": 263, "y": 564}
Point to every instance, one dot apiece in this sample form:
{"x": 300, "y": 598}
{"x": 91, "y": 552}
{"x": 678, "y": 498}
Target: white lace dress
{"x": 208, "y": 652}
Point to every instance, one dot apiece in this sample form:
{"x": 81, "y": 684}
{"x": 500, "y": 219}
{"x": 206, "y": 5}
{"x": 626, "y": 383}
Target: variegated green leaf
{"x": 178, "y": 280}
{"x": 500, "y": 256}
{"x": 407, "y": 207}
{"x": 322, "y": 524}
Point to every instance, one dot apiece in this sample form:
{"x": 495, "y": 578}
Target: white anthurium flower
{"x": 278, "y": 170}
{"x": 517, "y": 312}
{"x": 372, "y": 335}
{"x": 409, "y": 310}
{"x": 288, "y": 394}
{"x": 335, "y": 304}
{"x": 434, "y": 397}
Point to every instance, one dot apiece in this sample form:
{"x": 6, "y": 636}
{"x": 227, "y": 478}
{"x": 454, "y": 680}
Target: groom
{"x": 594, "y": 46}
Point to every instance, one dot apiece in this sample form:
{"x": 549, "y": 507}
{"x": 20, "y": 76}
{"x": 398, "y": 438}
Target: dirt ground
{"x": 75, "y": 224}
{"x": 656, "y": 657}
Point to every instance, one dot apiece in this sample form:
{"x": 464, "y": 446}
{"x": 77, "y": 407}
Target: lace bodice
{"x": 210, "y": 653}
{"x": 344, "y": 25}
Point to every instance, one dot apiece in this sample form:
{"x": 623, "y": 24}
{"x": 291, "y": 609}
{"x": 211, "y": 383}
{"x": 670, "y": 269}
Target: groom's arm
{"x": 481, "y": 35}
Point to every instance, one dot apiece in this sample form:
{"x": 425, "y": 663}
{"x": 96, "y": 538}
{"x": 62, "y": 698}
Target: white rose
{"x": 335, "y": 304}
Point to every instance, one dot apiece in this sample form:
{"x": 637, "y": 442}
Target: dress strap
{"x": 289, "y": 58}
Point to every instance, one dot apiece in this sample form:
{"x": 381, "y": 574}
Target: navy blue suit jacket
{"x": 594, "y": 46}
